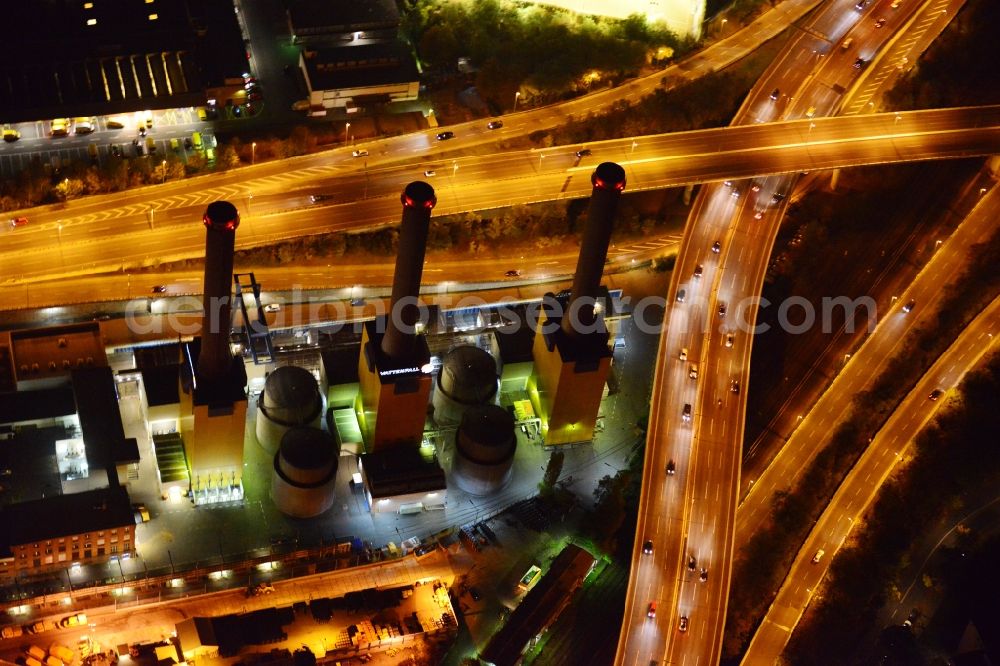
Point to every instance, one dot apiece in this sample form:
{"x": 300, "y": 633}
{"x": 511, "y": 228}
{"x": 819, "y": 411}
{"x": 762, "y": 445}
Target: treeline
{"x": 764, "y": 560}
{"x": 535, "y": 226}
{"x": 708, "y": 101}
{"x": 41, "y": 183}
{"x": 518, "y": 45}
{"x": 956, "y": 456}
{"x": 960, "y": 68}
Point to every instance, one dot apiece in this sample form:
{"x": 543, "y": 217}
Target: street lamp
{"x": 163, "y": 166}
{"x": 540, "y": 158}
{"x": 346, "y": 127}
{"x": 253, "y": 153}
{"x": 454, "y": 169}
{"x": 634, "y": 144}
{"x": 516, "y": 95}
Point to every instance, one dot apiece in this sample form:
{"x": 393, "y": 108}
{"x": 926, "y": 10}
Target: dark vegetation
{"x": 958, "y": 452}
{"x": 481, "y": 233}
{"x": 960, "y": 67}
{"x": 545, "y": 50}
{"x": 709, "y": 101}
{"x": 764, "y": 559}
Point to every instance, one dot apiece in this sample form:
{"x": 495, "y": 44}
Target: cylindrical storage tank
{"x": 468, "y": 377}
{"x": 484, "y": 450}
{"x": 305, "y": 469}
{"x": 290, "y": 398}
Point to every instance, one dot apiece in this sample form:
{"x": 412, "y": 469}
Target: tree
{"x": 69, "y": 188}
{"x": 552, "y": 470}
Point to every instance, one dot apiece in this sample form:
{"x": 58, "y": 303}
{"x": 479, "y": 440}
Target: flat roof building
{"x": 75, "y": 58}
{"x": 58, "y": 531}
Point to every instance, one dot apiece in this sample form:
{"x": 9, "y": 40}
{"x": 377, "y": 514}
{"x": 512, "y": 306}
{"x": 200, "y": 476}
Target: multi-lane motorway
{"x": 889, "y": 447}
{"x": 807, "y": 81}
{"x": 91, "y": 238}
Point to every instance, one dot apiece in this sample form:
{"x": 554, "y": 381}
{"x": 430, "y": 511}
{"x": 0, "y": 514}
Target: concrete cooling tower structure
{"x": 571, "y": 354}
{"x": 468, "y": 377}
{"x": 484, "y": 450}
{"x": 305, "y": 469}
{"x": 290, "y": 398}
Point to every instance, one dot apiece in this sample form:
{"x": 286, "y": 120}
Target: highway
{"x": 109, "y": 239}
{"x": 806, "y": 81}
{"x": 889, "y": 447}
{"x": 865, "y": 365}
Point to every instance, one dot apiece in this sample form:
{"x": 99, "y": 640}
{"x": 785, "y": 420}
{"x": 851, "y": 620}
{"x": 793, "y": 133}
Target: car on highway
{"x": 357, "y": 302}
{"x": 651, "y": 612}
{"x": 729, "y": 339}
{"x": 10, "y": 135}
{"x": 159, "y": 289}
{"x": 722, "y": 309}
{"x": 583, "y": 152}
{"x": 16, "y": 222}
{"x": 692, "y": 563}
{"x": 512, "y": 273}
{"x": 680, "y": 295}
{"x": 671, "y": 466}
{"x": 693, "y": 371}
{"x": 316, "y": 198}
{"x": 910, "y": 304}
{"x": 683, "y": 625}
{"x": 758, "y": 214}
{"x": 911, "y": 618}
{"x": 860, "y": 63}
{"x": 686, "y": 412}
{"x": 775, "y": 94}
{"x": 895, "y": 4}
{"x": 880, "y": 21}
{"x": 494, "y": 124}
{"x": 684, "y": 353}
{"x": 430, "y": 172}
{"x": 734, "y": 386}
{"x": 272, "y": 307}
{"x": 73, "y": 620}
{"x": 359, "y": 153}
{"x": 698, "y": 270}
{"x": 703, "y": 575}
{"x": 717, "y": 247}
{"x": 647, "y": 548}
{"x": 935, "y": 394}
{"x": 444, "y": 136}
{"x": 860, "y": 4}
{"x": 818, "y": 556}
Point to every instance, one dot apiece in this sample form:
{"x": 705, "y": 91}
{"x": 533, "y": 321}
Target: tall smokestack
{"x": 221, "y": 220}
{"x": 608, "y": 180}
{"x": 418, "y": 200}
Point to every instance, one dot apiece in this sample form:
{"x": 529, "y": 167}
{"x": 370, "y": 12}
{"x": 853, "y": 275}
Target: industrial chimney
{"x": 608, "y": 181}
{"x": 213, "y": 382}
{"x": 418, "y": 199}
{"x": 571, "y": 354}
{"x": 221, "y": 219}
{"x": 392, "y": 369}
